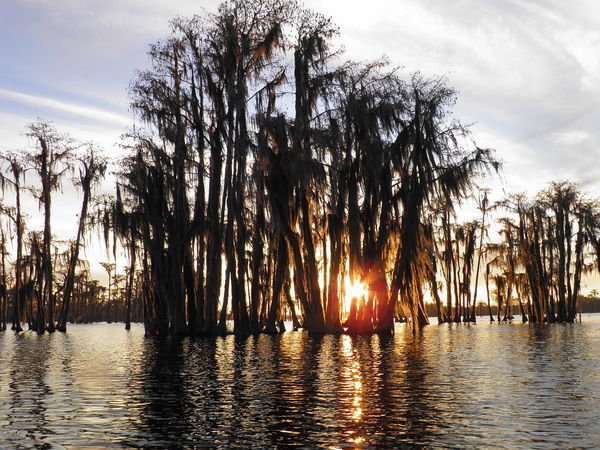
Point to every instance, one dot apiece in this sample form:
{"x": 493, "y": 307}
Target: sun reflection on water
{"x": 355, "y": 383}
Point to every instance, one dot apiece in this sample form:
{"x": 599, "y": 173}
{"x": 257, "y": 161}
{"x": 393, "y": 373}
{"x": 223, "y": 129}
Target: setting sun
{"x": 353, "y": 289}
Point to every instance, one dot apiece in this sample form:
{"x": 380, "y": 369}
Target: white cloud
{"x": 570, "y": 137}
{"x": 526, "y": 71}
{"x": 81, "y": 111}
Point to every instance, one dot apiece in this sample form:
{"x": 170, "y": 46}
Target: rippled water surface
{"x": 514, "y": 385}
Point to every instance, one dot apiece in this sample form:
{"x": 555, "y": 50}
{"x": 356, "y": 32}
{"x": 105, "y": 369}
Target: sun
{"x": 353, "y": 289}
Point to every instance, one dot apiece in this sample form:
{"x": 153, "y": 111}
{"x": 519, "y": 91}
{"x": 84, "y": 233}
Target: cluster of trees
{"x": 549, "y": 244}
{"x": 589, "y": 303}
{"x": 546, "y": 246}
{"x": 38, "y": 259}
{"x": 269, "y": 170}
{"x": 47, "y": 284}
{"x": 266, "y": 173}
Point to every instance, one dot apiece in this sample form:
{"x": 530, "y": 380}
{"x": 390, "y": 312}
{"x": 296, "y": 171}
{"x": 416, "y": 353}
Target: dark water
{"x": 478, "y": 385}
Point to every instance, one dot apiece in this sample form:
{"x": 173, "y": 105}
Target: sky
{"x": 527, "y": 72}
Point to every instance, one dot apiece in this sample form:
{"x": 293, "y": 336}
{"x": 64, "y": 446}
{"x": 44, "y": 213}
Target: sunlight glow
{"x": 353, "y": 289}
{"x": 354, "y": 390}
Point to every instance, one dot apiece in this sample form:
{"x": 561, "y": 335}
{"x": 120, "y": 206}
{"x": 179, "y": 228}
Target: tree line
{"x": 268, "y": 171}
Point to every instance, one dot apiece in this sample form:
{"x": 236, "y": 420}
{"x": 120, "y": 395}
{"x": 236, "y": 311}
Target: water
{"x": 453, "y": 385}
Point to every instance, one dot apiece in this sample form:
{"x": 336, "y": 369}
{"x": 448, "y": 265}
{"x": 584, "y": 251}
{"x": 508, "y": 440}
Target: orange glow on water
{"x": 355, "y": 392}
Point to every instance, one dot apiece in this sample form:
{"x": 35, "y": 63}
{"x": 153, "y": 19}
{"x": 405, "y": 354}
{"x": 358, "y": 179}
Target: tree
{"x": 15, "y": 163}
{"x": 431, "y": 165}
{"x": 483, "y": 206}
{"x": 51, "y": 161}
{"x": 92, "y": 167}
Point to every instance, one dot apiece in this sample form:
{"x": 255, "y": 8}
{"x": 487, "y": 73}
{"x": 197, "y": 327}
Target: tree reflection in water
{"x": 164, "y": 392}
{"x": 446, "y": 385}
{"x": 28, "y": 391}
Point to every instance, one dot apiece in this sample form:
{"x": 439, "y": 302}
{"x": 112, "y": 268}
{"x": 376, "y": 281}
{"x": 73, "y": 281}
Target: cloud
{"x": 82, "y": 50}
{"x": 81, "y": 111}
{"x": 526, "y": 71}
{"x": 571, "y": 137}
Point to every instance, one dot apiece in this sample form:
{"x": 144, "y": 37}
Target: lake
{"x": 454, "y": 385}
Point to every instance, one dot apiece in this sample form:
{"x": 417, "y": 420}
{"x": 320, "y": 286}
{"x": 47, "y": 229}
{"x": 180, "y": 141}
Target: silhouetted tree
{"x": 92, "y": 167}
{"x": 51, "y": 161}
